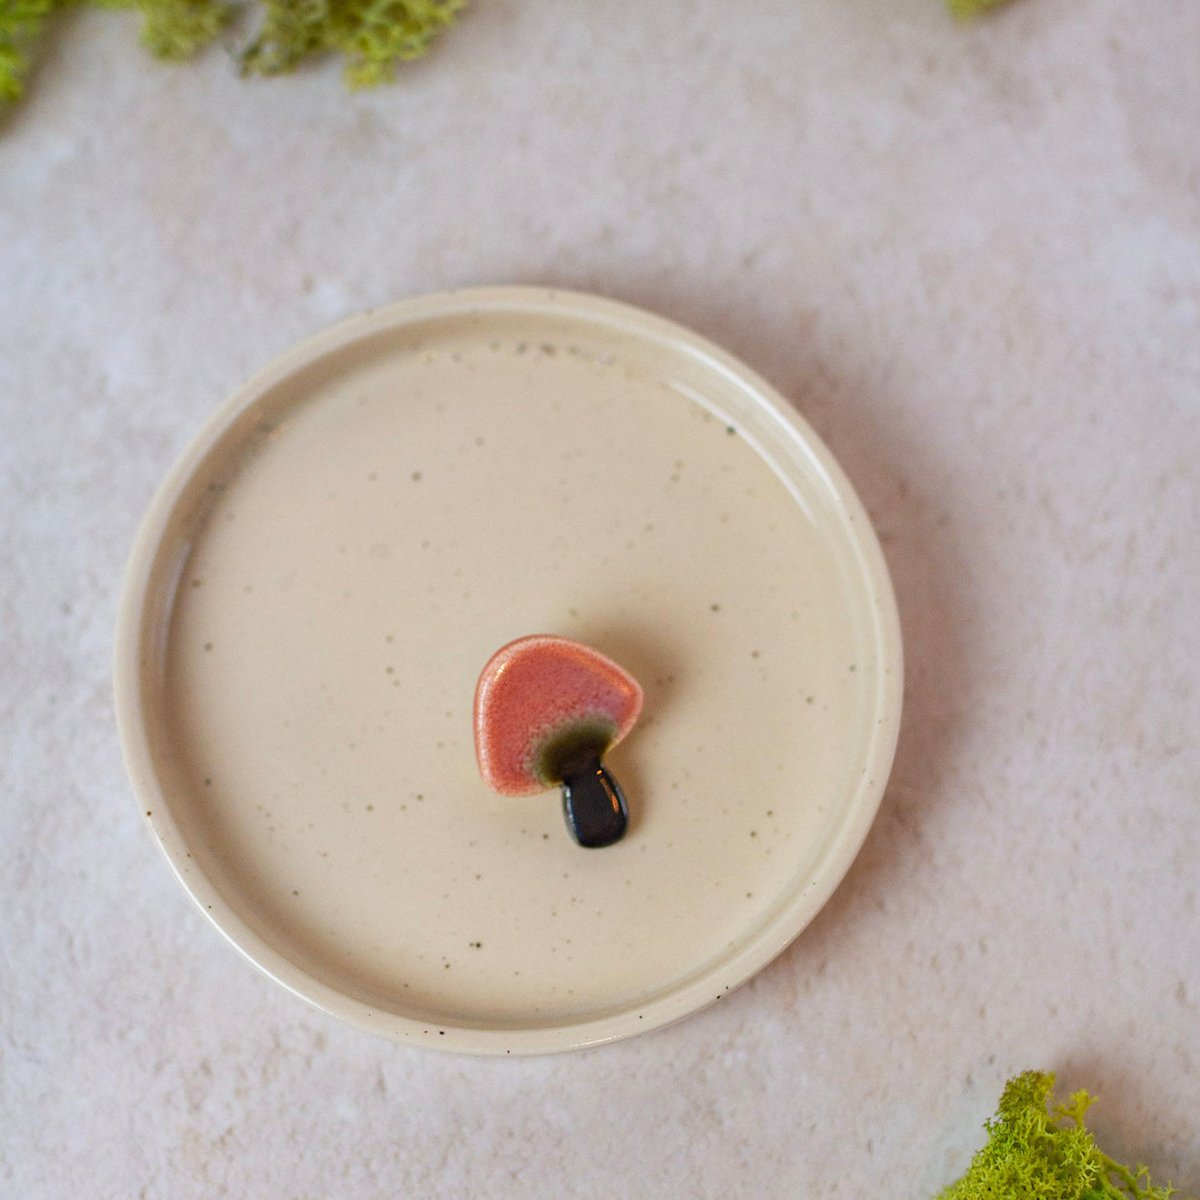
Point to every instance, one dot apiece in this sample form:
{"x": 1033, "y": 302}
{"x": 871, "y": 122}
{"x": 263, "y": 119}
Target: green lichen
{"x": 972, "y": 8}
{"x": 372, "y": 36}
{"x": 176, "y": 30}
{"x": 22, "y": 23}
{"x": 1038, "y": 1150}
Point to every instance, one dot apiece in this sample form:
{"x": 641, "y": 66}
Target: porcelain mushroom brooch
{"x": 547, "y": 710}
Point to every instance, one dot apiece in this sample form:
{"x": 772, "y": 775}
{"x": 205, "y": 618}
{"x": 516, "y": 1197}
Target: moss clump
{"x": 176, "y": 30}
{"x": 972, "y": 8}
{"x": 372, "y": 36}
{"x": 1037, "y": 1150}
{"x": 22, "y": 22}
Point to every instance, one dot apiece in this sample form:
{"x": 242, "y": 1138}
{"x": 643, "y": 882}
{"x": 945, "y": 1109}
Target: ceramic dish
{"x": 323, "y": 575}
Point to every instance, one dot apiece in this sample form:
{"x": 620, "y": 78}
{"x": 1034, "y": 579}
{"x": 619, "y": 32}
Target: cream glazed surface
{"x": 357, "y": 534}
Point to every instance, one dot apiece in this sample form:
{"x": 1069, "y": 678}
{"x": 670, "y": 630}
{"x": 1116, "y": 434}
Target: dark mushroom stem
{"x": 593, "y": 802}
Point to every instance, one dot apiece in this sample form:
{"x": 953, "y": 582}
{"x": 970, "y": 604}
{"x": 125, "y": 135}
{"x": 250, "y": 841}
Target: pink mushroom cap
{"x": 541, "y": 698}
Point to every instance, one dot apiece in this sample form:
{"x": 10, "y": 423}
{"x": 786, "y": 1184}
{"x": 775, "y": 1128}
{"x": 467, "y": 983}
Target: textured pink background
{"x": 970, "y": 255}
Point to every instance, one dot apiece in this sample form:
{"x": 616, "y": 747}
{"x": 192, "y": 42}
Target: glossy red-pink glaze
{"x": 535, "y": 685}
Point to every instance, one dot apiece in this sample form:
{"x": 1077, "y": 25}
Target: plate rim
{"x": 708, "y": 986}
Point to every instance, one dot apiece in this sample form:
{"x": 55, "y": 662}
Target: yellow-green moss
{"x": 1038, "y": 1150}
{"x": 372, "y": 36}
{"x": 972, "y": 8}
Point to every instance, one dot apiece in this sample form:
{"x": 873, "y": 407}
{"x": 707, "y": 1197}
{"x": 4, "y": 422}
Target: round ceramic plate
{"x": 322, "y": 577}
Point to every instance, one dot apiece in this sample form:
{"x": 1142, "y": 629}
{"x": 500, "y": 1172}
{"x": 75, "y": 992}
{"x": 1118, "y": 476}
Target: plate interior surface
{"x": 326, "y": 572}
